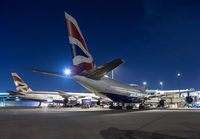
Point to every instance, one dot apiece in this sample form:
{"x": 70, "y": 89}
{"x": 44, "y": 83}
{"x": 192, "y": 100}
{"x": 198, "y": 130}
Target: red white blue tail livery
{"x": 82, "y": 59}
{"x": 21, "y": 86}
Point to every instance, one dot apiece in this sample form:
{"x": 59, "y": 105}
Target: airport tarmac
{"x": 75, "y": 123}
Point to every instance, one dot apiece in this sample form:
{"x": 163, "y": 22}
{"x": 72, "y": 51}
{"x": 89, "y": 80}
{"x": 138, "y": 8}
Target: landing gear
{"x": 118, "y": 107}
{"x": 111, "y": 107}
{"x": 65, "y": 102}
{"x": 99, "y": 102}
{"x": 129, "y": 107}
{"x": 141, "y": 107}
{"x": 189, "y": 99}
{"x": 39, "y": 104}
{"x": 162, "y": 103}
{"x": 85, "y": 106}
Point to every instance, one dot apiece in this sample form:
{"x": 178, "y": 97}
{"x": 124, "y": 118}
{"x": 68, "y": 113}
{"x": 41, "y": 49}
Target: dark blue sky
{"x": 157, "y": 39}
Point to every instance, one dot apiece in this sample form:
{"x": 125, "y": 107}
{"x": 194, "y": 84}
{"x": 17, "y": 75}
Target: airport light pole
{"x": 161, "y": 85}
{"x": 144, "y": 83}
{"x": 179, "y": 82}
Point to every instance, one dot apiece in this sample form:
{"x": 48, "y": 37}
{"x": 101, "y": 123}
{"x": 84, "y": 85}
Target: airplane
{"x": 24, "y": 91}
{"x": 93, "y": 78}
{"x": 163, "y": 94}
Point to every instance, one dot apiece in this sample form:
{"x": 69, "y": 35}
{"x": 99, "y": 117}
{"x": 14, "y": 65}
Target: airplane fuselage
{"x": 42, "y": 96}
{"x": 112, "y": 89}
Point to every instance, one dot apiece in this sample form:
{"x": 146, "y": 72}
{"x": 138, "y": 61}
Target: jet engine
{"x": 162, "y": 103}
{"x": 189, "y": 99}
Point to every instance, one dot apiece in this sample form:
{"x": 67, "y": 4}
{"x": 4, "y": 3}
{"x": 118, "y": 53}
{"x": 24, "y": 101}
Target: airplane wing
{"x": 13, "y": 93}
{"x": 102, "y": 70}
{"x": 77, "y": 94}
{"x": 178, "y": 92}
{"x": 159, "y": 93}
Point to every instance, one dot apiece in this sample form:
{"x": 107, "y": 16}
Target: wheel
{"x": 111, "y": 107}
{"x": 129, "y": 107}
{"x": 141, "y": 107}
{"x": 98, "y": 102}
{"x": 39, "y": 104}
{"x": 119, "y": 107}
{"x": 162, "y": 103}
{"x": 65, "y": 102}
{"x": 189, "y": 99}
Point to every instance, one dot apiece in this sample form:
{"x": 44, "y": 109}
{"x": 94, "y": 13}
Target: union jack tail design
{"x": 82, "y": 59}
{"x": 21, "y": 86}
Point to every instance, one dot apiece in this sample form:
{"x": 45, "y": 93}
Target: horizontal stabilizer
{"x": 46, "y": 72}
{"x": 13, "y": 93}
{"x": 102, "y": 70}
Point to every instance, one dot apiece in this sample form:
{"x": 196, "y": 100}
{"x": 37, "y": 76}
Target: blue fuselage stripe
{"x": 121, "y": 98}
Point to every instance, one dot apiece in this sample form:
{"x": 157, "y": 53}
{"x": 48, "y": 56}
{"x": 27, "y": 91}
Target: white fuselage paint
{"x": 108, "y": 85}
{"x": 45, "y": 95}
{"x": 41, "y": 95}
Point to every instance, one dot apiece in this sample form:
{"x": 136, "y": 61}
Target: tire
{"x": 129, "y": 107}
{"x": 141, "y": 107}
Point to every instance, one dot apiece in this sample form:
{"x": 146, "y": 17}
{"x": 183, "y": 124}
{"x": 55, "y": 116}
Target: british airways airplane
{"x": 24, "y": 91}
{"x": 94, "y": 79}
{"x": 164, "y": 94}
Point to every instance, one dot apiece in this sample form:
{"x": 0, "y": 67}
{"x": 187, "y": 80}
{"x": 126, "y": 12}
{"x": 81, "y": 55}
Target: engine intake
{"x": 189, "y": 99}
{"x": 162, "y": 103}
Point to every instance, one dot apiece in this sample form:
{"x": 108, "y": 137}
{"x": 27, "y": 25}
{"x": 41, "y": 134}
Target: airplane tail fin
{"x": 82, "y": 59}
{"x": 21, "y": 86}
{"x": 83, "y": 63}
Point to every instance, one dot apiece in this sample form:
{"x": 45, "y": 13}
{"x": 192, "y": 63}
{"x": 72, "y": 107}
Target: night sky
{"x": 157, "y": 39}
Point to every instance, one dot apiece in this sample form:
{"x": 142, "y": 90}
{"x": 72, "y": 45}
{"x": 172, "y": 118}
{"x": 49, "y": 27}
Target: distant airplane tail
{"x": 21, "y": 86}
{"x": 82, "y": 59}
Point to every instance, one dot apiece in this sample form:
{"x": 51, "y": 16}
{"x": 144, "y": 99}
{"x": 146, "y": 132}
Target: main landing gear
{"x": 141, "y": 106}
{"x": 129, "y": 107}
{"x": 116, "y": 106}
{"x": 120, "y": 106}
{"x": 65, "y": 102}
{"x": 39, "y": 104}
{"x": 162, "y": 103}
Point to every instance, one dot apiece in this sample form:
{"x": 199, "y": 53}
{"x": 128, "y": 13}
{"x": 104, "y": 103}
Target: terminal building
{"x": 7, "y": 100}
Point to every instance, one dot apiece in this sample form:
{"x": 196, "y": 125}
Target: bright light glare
{"x": 144, "y": 83}
{"x": 67, "y": 71}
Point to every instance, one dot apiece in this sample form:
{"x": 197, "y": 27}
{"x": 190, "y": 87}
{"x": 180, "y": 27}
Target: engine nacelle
{"x": 189, "y": 99}
{"x": 162, "y": 103}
